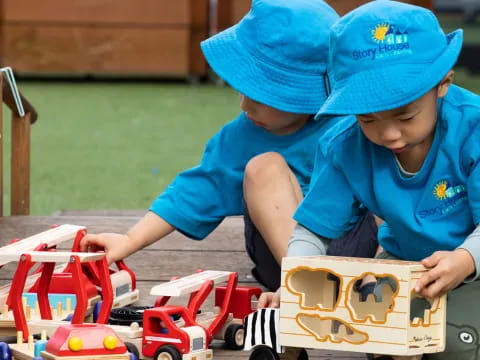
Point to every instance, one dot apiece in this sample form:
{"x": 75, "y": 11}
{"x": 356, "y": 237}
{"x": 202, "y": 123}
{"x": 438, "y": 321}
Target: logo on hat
{"x": 390, "y": 40}
{"x": 388, "y": 34}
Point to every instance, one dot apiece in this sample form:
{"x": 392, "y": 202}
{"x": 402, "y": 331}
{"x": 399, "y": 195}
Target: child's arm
{"x": 449, "y": 268}
{"x": 117, "y": 246}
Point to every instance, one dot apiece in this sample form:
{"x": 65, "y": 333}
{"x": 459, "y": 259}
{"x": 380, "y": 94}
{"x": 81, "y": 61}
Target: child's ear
{"x": 445, "y": 84}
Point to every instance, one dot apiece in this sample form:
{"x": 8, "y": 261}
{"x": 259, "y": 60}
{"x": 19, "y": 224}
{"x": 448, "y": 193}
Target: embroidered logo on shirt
{"x": 442, "y": 191}
{"x": 449, "y": 196}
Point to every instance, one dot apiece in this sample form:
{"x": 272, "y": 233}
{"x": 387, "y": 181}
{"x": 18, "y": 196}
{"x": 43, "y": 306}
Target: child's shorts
{"x": 463, "y": 322}
{"x": 361, "y": 241}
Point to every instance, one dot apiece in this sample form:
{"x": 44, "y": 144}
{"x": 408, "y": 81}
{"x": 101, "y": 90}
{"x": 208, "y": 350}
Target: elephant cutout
{"x": 373, "y": 300}
{"x": 317, "y": 288}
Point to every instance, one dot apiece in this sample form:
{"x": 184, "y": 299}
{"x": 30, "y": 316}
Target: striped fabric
{"x": 261, "y": 328}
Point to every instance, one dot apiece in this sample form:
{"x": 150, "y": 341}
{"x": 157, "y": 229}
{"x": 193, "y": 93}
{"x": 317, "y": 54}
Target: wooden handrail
{"x": 20, "y": 157}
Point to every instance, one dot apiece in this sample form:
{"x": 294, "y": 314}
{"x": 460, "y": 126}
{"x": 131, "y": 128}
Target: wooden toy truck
{"x": 189, "y": 335}
{"x": 123, "y": 280}
{"x": 321, "y": 307}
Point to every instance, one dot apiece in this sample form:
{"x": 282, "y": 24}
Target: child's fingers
{"x": 426, "y": 279}
{"x": 275, "y": 303}
{"x": 90, "y": 243}
{"x": 433, "y": 259}
{"x": 264, "y": 300}
{"x": 433, "y": 290}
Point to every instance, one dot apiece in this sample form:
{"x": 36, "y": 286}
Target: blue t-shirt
{"x": 436, "y": 209}
{"x": 199, "y": 198}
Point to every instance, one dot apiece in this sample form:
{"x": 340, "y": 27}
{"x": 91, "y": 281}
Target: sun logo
{"x": 380, "y": 32}
{"x": 440, "y": 190}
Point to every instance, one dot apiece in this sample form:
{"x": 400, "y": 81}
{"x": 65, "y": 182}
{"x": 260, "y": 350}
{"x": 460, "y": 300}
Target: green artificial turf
{"x": 118, "y": 145}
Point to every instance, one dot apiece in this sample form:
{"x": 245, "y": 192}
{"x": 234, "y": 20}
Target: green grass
{"x": 452, "y": 22}
{"x": 117, "y": 145}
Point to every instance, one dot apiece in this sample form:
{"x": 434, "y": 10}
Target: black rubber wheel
{"x": 263, "y": 352}
{"x": 127, "y": 315}
{"x": 167, "y": 352}
{"x": 235, "y": 336}
{"x": 132, "y": 349}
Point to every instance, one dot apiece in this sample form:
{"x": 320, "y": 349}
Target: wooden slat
{"x": 48, "y": 256}
{"x": 99, "y": 11}
{"x": 97, "y": 50}
{"x": 190, "y": 283}
{"x": 20, "y": 165}
{"x": 50, "y": 237}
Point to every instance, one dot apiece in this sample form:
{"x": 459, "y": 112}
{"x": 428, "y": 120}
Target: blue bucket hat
{"x": 277, "y": 54}
{"x": 386, "y": 54}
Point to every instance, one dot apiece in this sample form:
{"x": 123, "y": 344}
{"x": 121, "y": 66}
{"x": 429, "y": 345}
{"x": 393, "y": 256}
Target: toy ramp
{"x": 50, "y": 237}
{"x": 188, "y": 284}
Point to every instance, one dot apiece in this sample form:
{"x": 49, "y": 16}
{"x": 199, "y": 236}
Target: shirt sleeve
{"x": 305, "y": 243}
{"x": 198, "y": 199}
{"x": 330, "y": 208}
{"x": 472, "y": 245}
{"x": 471, "y": 164}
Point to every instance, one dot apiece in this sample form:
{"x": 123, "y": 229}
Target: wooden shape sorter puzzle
{"x": 322, "y": 307}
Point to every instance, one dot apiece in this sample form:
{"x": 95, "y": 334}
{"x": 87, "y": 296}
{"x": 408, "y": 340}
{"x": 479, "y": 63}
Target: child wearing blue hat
{"x": 410, "y": 154}
{"x": 260, "y": 163}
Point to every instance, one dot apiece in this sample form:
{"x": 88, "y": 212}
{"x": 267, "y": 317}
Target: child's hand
{"x": 115, "y": 245}
{"x": 269, "y": 299}
{"x": 447, "y": 269}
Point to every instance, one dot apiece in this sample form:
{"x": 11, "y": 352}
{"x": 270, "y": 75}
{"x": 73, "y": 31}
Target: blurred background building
{"x": 146, "y": 38}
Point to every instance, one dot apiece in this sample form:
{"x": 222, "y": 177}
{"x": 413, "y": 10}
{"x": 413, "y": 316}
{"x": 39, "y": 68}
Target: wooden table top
{"x": 176, "y": 255}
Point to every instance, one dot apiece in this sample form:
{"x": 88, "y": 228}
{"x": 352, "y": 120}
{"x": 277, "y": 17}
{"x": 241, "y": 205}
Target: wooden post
{"x": 20, "y": 165}
{"x": 1, "y": 147}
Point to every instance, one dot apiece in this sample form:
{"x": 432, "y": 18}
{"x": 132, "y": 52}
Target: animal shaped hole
{"x": 421, "y": 310}
{"x": 317, "y": 288}
{"x": 371, "y": 296}
{"x": 330, "y": 329}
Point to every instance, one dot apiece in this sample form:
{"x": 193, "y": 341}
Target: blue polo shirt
{"x": 436, "y": 209}
{"x": 198, "y": 199}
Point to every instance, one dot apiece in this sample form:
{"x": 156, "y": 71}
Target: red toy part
{"x": 62, "y": 283}
{"x": 241, "y": 304}
{"x": 14, "y": 300}
{"x": 87, "y": 340}
{"x": 159, "y": 329}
